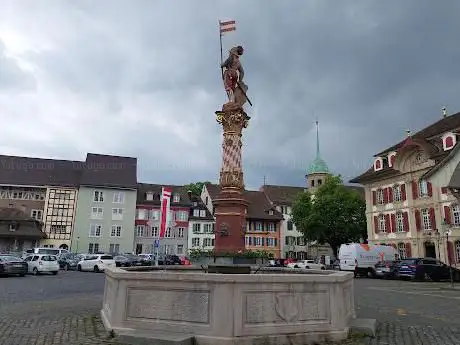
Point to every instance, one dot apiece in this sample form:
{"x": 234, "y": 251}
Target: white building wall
{"x": 202, "y": 240}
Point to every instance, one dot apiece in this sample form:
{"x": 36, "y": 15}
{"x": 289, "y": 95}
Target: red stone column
{"x": 230, "y": 206}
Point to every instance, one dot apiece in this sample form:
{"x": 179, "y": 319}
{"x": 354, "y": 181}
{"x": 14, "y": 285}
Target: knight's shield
{"x": 286, "y": 306}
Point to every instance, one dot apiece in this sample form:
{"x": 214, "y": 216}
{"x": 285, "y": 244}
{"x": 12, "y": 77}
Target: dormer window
{"x": 448, "y": 141}
{"x": 391, "y": 159}
{"x": 202, "y": 213}
{"x": 13, "y": 227}
{"x": 176, "y": 198}
{"x": 270, "y": 212}
{"x": 196, "y": 213}
{"x": 149, "y": 196}
{"x": 378, "y": 164}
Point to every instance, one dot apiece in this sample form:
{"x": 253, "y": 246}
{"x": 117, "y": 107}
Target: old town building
{"x": 410, "y": 193}
{"x": 201, "y": 226}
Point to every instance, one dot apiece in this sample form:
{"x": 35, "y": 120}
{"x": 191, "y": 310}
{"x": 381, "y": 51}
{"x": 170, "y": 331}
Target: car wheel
{"x": 79, "y": 268}
{"x": 96, "y": 269}
{"x": 54, "y": 273}
{"x": 35, "y": 271}
{"x": 307, "y": 267}
{"x": 426, "y": 277}
{"x": 296, "y": 266}
{"x": 323, "y": 268}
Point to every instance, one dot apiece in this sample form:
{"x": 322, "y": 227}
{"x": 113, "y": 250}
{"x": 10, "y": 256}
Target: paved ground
{"x": 64, "y": 309}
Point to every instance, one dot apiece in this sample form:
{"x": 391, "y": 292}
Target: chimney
{"x": 444, "y": 112}
{"x": 189, "y": 192}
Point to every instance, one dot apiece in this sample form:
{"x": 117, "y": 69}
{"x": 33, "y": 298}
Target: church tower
{"x": 318, "y": 170}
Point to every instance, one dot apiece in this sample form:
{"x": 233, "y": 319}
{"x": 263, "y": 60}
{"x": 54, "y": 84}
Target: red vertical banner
{"x": 164, "y": 211}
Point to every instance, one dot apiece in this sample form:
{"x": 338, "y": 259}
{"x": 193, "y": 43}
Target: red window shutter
{"x": 406, "y": 221}
{"x": 444, "y": 190}
{"x": 408, "y": 250}
{"x": 447, "y": 217}
{"x": 385, "y": 196}
{"x": 450, "y": 252}
{"x": 414, "y": 190}
{"x": 376, "y": 224}
{"x": 393, "y": 222}
{"x": 430, "y": 189}
{"x": 387, "y": 223}
{"x": 432, "y": 218}
{"x": 403, "y": 191}
{"x": 390, "y": 194}
{"x": 418, "y": 222}
{"x": 374, "y": 197}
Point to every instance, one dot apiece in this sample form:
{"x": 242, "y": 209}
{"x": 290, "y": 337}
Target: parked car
{"x": 387, "y": 269}
{"x": 12, "y": 265}
{"x": 147, "y": 259}
{"x": 307, "y": 264}
{"x": 42, "y": 250}
{"x": 96, "y": 263}
{"x": 42, "y": 263}
{"x": 424, "y": 269}
{"x": 172, "y": 260}
{"x": 69, "y": 261}
{"x": 128, "y": 260}
{"x": 185, "y": 261}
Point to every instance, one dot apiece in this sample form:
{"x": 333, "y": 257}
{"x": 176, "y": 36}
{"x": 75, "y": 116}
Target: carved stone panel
{"x": 169, "y": 305}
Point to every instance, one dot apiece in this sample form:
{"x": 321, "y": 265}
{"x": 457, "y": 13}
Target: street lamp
{"x": 76, "y": 248}
{"x": 446, "y": 231}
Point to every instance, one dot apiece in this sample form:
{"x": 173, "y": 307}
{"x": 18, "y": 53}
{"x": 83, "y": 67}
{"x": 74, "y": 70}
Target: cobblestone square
{"x": 64, "y": 309}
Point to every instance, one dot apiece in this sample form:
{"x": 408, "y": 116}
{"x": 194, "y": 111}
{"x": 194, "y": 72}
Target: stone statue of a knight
{"x": 233, "y": 77}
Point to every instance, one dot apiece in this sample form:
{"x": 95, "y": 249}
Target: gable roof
{"x": 27, "y": 226}
{"x": 213, "y": 190}
{"x": 282, "y": 195}
{"x": 109, "y": 171}
{"x": 144, "y": 188}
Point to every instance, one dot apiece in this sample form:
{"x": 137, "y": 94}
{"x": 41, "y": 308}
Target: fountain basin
{"x": 268, "y": 306}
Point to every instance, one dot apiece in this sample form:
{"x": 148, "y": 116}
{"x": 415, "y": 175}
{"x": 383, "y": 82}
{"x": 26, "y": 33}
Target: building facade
{"x": 106, "y": 205}
{"x": 410, "y": 202}
{"x": 147, "y": 223}
{"x": 201, "y": 227}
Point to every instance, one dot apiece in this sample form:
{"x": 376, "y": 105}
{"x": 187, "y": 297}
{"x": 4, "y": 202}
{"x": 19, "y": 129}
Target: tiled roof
{"x": 455, "y": 178}
{"x": 282, "y": 195}
{"x": 27, "y": 226}
{"x": 109, "y": 171}
{"x": 199, "y": 206}
{"x": 144, "y": 188}
{"x": 213, "y": 190}
{"x": 421, "y": 138}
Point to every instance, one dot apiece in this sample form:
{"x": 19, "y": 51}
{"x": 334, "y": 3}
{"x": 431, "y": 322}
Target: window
{"x": 208, "y": 242}
{"x": 119, "y": 197}
{"x": 399, "y": 222}
{"x": 402, "y": 250}
{"x": 300, "y": 241}
{"x": 58, "y": 229}
{"x": 270, "y": 212}
{"x": 114, "y": 248}
{"x": 180, "y": 249}
{"x": 176, "y": 198}
{"x": 457, "y": 250}
{"x": 271, "y": 227}
{"x": 180, "y": 232}
{"x": 196, "y": 213}
{"x": 195, "y": 242}
{"x": 259, "y": 226}
{"x": 98, "y": 196}
{"x": 202, "y": 213}
{"x": 140, "y": 230}
{"x": 13, "y": 227}
{"x": 149, "y": 196}
{"x": 117, "y": 213}
{"x": 456, "y": 214}
{"x": 272, "y": 242}
{"x": 95, "y": 230}
{"x": 97, "y": 213}
{"x": 422, "y": 188}
{"x": 181, "y": 216}
{"x": 312, "y": 183}
{"x": 397, "y": 195}
{"x": 36, "y": 214}
{"x": 168, "y": 233}
{"x": 155, "y": 231}
{"x": 141, "y": 214}
{"x": 196, "y": 228}
{"x": 155, "y": 214}
{"x": 290, "y": 225}
{"x": 426, "y": 221}
{"x": 418, "y": 158}
{"x": 248, "y": 241}
{"x": 93, "y": 248}
{"x": 116, "y": 231}
{"x": 380, "y": 196}
{"x": 208, "y": 228}
{"x": 258, "y": 241}
{"x": 289, "y": 241}
{"x": 382, "y": 223}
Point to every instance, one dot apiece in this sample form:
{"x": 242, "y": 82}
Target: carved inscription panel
{"x": 169, "y": 305}
{"x": 273, "y": 307}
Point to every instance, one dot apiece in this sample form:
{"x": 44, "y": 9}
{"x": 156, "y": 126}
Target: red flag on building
{"x": 165, "y": 210}
{"x": 227, "y": 26}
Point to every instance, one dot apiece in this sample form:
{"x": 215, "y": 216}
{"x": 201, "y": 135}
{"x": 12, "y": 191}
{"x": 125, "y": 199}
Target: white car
{"x": 306, "y": 264}
{"x": 42, "y": 263}
{"x": 96, "y": 263}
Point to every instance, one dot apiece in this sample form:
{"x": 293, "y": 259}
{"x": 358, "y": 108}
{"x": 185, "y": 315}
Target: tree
{"x": 333, "y": 215}
{"x": 195, "y": 187}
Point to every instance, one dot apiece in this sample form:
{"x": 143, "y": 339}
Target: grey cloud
{"x": 12, "y": 77}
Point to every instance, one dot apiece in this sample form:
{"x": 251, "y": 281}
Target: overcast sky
{"x": 142, "y": 78}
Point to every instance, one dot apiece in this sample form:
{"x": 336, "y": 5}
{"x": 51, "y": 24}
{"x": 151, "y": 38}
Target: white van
{"x": 42, "y": 250}
{"x": 361, "y": 258}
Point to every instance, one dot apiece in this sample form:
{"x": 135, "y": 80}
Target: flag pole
{"x": 221, "y": 53}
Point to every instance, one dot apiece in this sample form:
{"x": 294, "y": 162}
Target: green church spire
{"x": 318, "y": 165}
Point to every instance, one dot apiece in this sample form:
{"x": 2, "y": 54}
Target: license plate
{"x": 404, "y": 267}
{"x": 18, "y": 266}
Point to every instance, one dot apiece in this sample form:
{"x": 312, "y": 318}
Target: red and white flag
{"x": 227, "y": 26}
{"x": 165, "y": 208}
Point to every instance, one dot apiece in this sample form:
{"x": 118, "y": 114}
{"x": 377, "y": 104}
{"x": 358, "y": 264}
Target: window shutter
{"x": 430, "y": 189}
{"x": 444, "y": 190}
{"x": 263, "y": 242}
{"x": 432, "y": 219}
{"x": 387, "y": 223}
{"x": 450, "y": 252}
{"x": 408, "y": 250}
{"x": 393, "y": 222}
{"x": 376, "y": 224}
{"x": 390, "y": 194}
{"x": 414, "y": 190}
{"x": 385, "y": 196}
{"x": 447, "y": 217}
{"x": 406, "y": 221}
{"x": 403, "y": 191}
{"x": 418, "y": 223}
{"x": 374, "y": 197}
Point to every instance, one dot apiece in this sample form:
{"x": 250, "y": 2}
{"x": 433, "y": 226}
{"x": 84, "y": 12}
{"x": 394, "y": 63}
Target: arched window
{"x": 402, "y": 251}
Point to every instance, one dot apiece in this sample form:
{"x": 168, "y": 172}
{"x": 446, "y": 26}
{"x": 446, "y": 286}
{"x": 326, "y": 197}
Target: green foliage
{"x": 199, "y": 253}
{"x": 195, "y": 187}
{"x": 335, "y": 215}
